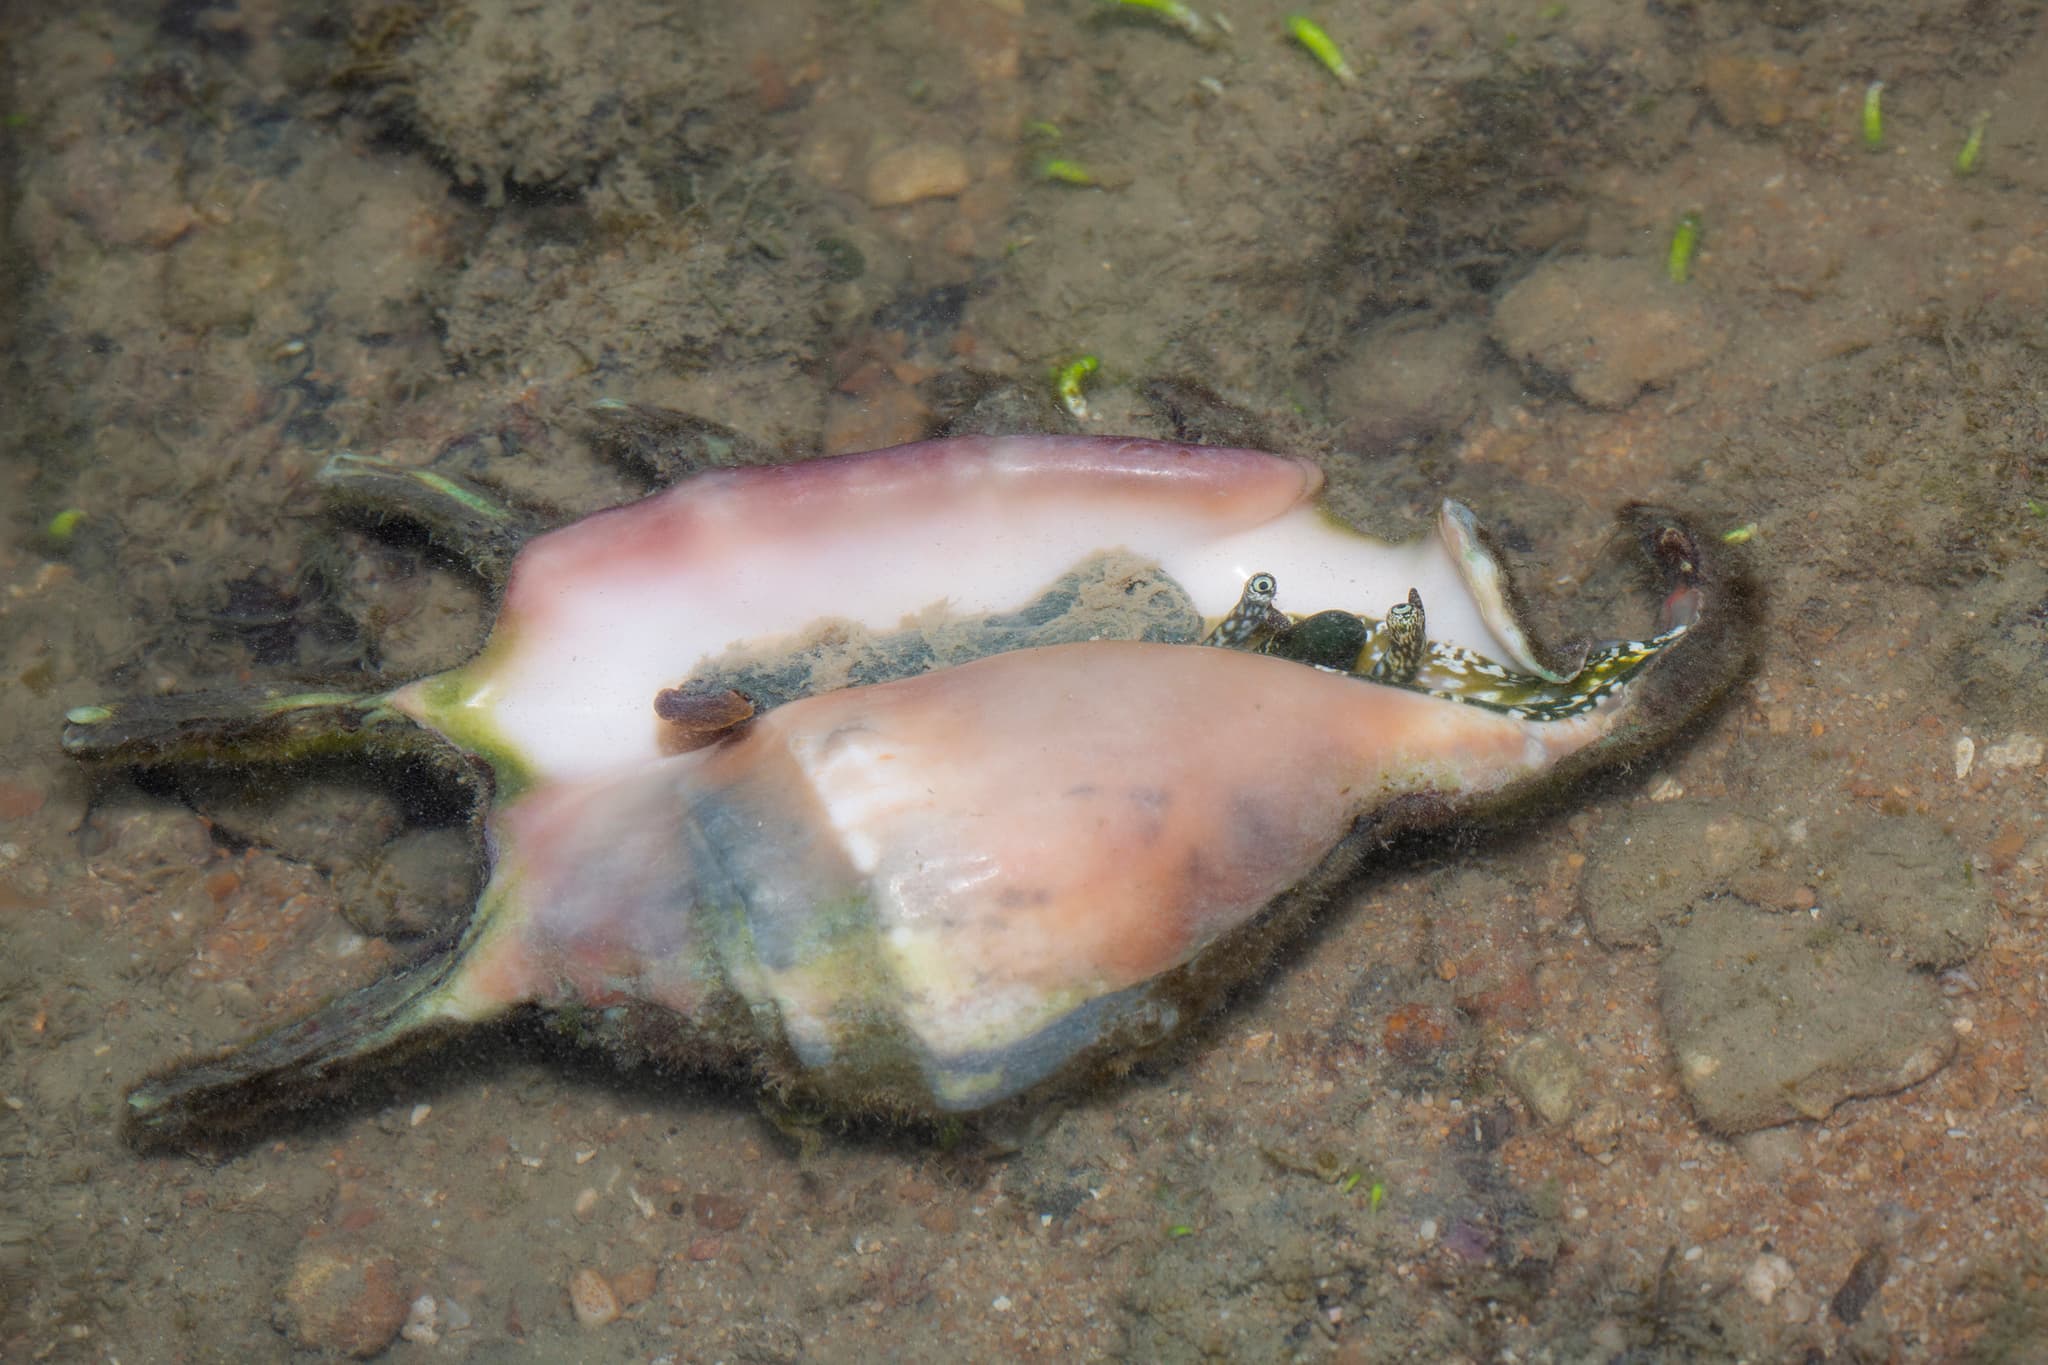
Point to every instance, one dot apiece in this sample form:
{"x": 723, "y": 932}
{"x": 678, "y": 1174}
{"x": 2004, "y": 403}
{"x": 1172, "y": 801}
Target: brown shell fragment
{"x": 694, "y": 716}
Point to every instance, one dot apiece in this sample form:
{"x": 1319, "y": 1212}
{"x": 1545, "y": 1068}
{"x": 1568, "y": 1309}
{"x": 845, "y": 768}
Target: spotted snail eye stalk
{"x": 1254, "y": 620}
{"x": 1405, "y": 643}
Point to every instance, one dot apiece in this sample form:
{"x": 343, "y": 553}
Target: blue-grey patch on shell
{"x": 761, "y": 862}
{"x": 968, "y": 1081}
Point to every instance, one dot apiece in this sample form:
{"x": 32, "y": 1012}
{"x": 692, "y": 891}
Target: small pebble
{"x": 1545, "y": 1073}
{"x": 923, "y": 170}
{"x": 344, "y": 1298}
{"x": 718, "y": 1212}
{"x": 1766, "y": 1277}
{"x": 420, "y": 1323}
{"x": 591, "y": 1298}
{"x": 635, "y": 1285}
{"x": 2019, "y": 751}
{"x": 1417, "y": 1033}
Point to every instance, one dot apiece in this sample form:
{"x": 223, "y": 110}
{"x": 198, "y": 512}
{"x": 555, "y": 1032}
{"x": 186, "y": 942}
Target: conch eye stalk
{"x": 895, "y": 780}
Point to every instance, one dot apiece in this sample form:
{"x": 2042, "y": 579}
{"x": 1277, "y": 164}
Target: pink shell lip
{"x": 724, "y": 514}
{"x": 1240, "y": 485}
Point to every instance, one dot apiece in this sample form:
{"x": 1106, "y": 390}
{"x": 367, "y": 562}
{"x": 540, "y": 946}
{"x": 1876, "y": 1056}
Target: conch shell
{"x": 939, "y": 893}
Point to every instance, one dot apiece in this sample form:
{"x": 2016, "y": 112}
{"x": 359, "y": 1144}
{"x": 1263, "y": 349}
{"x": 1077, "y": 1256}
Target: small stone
{"x": 2019, "y": 751}
{"x": 591, "y": 1298}
{"x": 1417, "y": 1033}
{"x": 922, "y": 170}
{"x": 421, "y": 884}
{"x": 1766, "y": 1276}
{"x": 1546, "y": 1075}
{"x": 1751, "y": 92}
{"x": 125, "y": 192}
{"x": 1772, "y": 1152}
{"x": 1403, "y": 378}
{"x": 1611, "y": 1338}
{"x": 1649, "y": 867}
{"x": 1598, "y": 1130}
{"x": 344, "y": 1297}
{"x": 1774, "y": 1018}
{"x": 1667, "y": 789}
{"x": 19, "y": 800}
{"x": 890, "y": 414}
{"x": 718, "y": 1212}
{"x": 635, "y": 1285}
{"x": 422, "y": 1322}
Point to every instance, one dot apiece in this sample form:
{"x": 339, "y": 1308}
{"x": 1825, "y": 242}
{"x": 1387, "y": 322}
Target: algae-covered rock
{"x": 1774, "y": 1018}
{"x": 1609, "y": 328}
{"x": 1649, "y": 868}
{"x": 220, "y": 277}
{"x": 537, "y": 96}
{"x": 1907, "y": 881}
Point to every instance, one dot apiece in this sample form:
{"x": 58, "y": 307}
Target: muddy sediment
{"x": 1457, "y": 1123}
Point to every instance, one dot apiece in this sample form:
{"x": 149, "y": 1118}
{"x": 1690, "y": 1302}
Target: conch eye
{"x": 1263, "y": 584}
